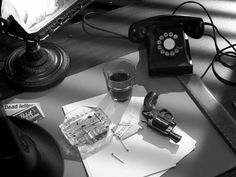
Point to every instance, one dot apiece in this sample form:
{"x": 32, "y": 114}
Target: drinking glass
{"x": 120, "y": 78}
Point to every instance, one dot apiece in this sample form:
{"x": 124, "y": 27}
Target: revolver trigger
{"x": 144, "y": 121}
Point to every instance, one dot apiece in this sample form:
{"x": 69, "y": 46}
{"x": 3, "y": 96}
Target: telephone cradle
{"x": 166, "y": 37}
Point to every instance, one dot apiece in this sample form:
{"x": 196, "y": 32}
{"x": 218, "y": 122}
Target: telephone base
{"x": 178, "y": 65}
{"x": 185, "y": 68}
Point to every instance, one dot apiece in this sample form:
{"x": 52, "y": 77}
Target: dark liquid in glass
{"x": 122, "y": 93}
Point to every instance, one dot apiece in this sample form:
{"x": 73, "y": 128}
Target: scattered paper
{"x": 150, "y": 154}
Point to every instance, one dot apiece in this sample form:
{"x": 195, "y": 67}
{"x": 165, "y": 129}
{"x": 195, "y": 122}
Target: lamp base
{"x": 37, "y": 67}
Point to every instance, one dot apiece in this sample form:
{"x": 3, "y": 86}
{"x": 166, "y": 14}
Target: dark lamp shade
{"x": 28, "y": 150}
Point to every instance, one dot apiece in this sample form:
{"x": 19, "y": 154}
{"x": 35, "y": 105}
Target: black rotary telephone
{"x": 166, "y": 37}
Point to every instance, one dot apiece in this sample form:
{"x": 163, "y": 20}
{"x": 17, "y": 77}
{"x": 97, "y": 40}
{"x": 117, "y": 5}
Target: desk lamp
{"x": 37, "y": 65}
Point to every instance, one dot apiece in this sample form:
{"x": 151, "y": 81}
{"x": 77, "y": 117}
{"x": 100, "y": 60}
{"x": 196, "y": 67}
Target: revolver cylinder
{"x": 160, "y": 120}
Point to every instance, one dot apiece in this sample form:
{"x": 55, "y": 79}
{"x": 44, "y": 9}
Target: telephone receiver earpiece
{"x": 194, "y": 27}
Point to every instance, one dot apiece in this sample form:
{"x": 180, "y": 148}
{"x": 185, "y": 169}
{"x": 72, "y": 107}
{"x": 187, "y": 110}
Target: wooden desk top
{"x": 86, "y": 50}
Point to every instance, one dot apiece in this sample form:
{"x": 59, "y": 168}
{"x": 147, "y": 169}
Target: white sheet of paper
{"x": 149, "y": 152}
{"x": 142, "y": 159}
{"x": 114, "y": 110}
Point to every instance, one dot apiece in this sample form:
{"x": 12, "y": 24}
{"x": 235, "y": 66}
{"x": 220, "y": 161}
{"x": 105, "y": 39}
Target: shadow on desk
{"x": 84, "y": 50}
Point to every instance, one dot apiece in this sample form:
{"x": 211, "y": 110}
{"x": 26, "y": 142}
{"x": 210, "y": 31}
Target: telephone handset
{"x": 168, "y": 47}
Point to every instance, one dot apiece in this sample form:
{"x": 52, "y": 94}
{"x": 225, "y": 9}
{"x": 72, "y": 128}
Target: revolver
{"x": 160, "y": 120}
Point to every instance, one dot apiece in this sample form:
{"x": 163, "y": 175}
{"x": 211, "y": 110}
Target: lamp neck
{"x": 33, "y": 55}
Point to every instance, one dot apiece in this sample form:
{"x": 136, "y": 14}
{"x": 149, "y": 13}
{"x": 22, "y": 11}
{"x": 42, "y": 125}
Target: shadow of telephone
{"x": 167, "y": 42}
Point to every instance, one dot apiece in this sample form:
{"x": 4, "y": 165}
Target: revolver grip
{"x": 150, "y": 101}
